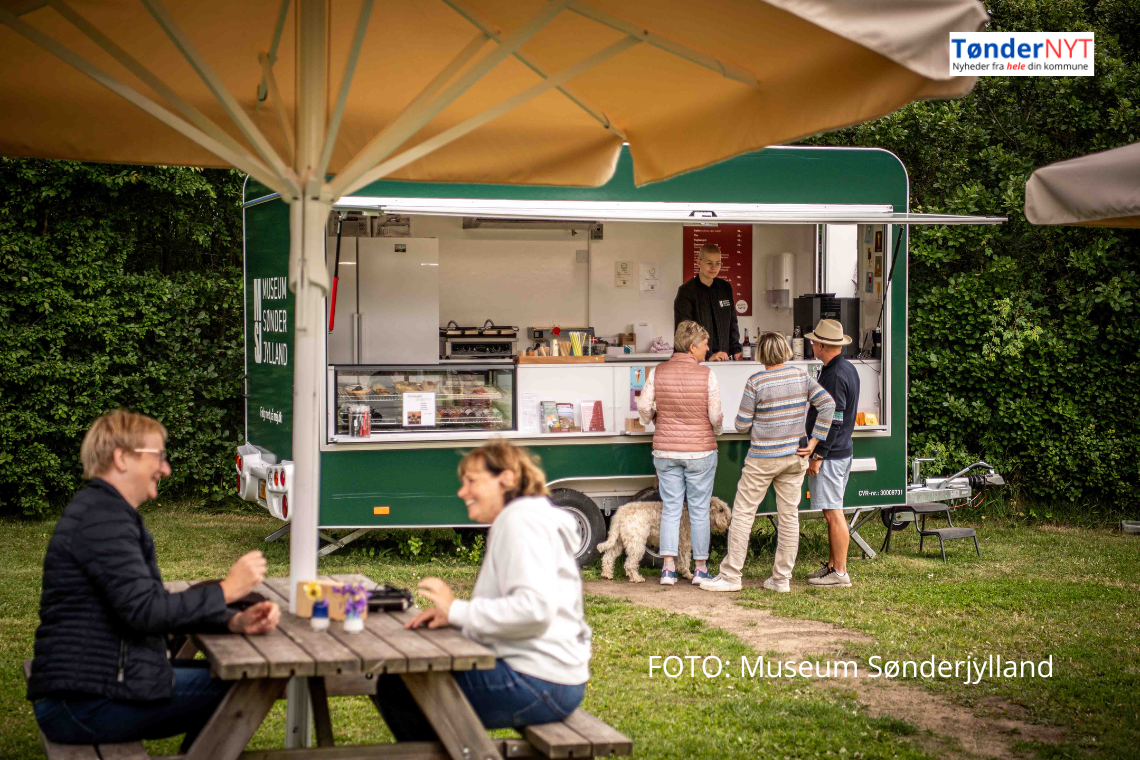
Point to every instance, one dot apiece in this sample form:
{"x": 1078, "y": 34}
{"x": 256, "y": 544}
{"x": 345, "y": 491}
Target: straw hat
{"x": 830, "y": 333}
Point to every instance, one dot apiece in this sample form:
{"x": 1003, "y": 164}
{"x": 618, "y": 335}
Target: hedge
{"x": 119, "y": 286}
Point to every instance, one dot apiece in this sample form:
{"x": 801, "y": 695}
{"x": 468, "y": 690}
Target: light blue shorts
{"x": 828, "y": 486}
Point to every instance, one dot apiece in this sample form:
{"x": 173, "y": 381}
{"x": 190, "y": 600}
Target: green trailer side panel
{"x": 268, "y": 329}
{"x": 418, "y": 486}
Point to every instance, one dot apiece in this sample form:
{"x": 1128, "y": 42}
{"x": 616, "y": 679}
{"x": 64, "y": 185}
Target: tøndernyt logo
{"x": 1021, "y": 54}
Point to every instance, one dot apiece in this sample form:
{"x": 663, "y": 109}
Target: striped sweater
{"x": 774, "y": 408}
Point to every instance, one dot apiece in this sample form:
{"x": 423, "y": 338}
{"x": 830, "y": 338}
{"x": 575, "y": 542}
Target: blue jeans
{"x": 676, "y": 480}
{"x": 98, "y": 720}
{"x": 502, "y": 698}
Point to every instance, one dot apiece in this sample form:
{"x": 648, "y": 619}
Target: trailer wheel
{"x": 887, "y": 516}
{"x": 591, "y": 523}
{"x": 651, "y": 559}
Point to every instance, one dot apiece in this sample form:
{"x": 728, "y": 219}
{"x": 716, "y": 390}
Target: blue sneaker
{"x": 700, "y": 576}
{"x": 668, "y": 577}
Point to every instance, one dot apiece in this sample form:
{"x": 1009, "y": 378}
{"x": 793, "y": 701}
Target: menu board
{"x": 735, "y": 241}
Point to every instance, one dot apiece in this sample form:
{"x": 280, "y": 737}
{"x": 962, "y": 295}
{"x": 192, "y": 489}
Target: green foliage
{"x": 1023, "y": 339}
{"x": 119, "y": 286}
{"x": 429, "y": 545}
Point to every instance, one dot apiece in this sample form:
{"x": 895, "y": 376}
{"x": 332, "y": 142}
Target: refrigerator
{"x": 397, "y": 283}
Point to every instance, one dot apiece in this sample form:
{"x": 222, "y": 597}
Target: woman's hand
{"x": 260, "y": 618}
{"x": 438, "y": 593}
{"x": 433, "y": 618}
{"x": 245, "y": 574}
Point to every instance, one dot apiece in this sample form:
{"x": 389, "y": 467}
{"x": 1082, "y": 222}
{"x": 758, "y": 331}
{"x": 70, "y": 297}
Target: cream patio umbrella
{"x": 1097, "y": 190}
{"x": 315, "y": 99}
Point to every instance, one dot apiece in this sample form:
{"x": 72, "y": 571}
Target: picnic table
{"x": 260, "y": 667}
{"x": 336, "y": 663}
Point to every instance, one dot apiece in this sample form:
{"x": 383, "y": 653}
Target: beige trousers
{"x": 786, "y": 476}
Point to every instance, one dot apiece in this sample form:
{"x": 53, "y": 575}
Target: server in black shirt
{"x": 707, "y": 300}
{"x": 830, "y": 465}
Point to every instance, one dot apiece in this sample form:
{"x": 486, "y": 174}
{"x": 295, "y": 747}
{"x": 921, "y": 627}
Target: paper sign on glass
{"x": 419, "y": 410}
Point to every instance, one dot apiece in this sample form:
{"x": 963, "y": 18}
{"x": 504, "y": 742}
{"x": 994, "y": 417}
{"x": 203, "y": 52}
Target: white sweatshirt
{"x": 527, "y": 603}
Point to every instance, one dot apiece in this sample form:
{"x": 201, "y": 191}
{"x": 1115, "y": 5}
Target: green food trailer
{"x": 408, "y": 388}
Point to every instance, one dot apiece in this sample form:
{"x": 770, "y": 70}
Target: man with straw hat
{"x": 830, "y": 464}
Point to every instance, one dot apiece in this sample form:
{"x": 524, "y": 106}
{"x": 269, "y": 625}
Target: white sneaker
{"x": 832, "y": 578}
{"x": 774, "y": 585}
{"x": 719, "y": 584}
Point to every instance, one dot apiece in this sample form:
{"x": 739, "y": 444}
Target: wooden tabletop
{"x": 295, "y": 649}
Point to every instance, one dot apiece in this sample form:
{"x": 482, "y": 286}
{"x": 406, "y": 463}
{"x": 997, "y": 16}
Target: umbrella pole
{"x": 308, "y": 276}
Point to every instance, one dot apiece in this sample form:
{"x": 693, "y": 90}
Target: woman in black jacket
{"x": 101, "y": 671}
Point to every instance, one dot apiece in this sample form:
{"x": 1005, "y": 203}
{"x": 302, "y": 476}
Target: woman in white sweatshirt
{"x": 526, "y": 606}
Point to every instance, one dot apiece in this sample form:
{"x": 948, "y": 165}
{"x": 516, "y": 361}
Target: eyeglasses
{"x": 161, "y": 453}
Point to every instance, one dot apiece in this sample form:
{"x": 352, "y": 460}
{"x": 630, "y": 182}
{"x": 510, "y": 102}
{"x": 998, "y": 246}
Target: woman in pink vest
{"x": 683, "y": 398}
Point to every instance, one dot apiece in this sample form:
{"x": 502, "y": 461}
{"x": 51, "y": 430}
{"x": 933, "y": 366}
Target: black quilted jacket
{"x": 104, "y": 611}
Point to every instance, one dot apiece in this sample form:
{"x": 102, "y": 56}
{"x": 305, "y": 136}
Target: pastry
{"x": 356, "y": 390}
{"x": 429, "y": 385}
{"x": 404, "y": 387}
{"x": 381, "y": 390}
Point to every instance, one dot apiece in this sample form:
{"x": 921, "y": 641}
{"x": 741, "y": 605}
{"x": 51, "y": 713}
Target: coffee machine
{"x": 808, "y": 309}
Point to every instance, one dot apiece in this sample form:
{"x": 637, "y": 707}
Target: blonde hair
{"x": 772, "y": 349}
{"x": 688, "y": 334}
{"x": 499, "y": 456}
{"x": 709, "y": 248}
{"x": 120, "y": 429}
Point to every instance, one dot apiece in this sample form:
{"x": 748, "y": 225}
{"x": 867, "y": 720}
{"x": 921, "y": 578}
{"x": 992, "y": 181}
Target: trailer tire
{"x": 591, "y": 523}
{"x": 889, "y": 522}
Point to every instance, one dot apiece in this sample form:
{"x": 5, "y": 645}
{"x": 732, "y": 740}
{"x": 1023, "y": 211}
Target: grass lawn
{"x": 1072, "y": 593}
{"x": 1035, "y": 592}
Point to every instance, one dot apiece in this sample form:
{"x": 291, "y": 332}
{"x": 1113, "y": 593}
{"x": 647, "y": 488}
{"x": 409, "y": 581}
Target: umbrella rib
{"x": 724, "y": 68}
{"x": 278, "y": 104}
{"x": 231, "y": 106}
{"x": 443, "y": 77}
{"x": 262, "y": 86}
{"x": 239, "y": 158}
{"x": 492, "y": 31}
{"x": 421, "y": 111}
{"x": 345, "y": 85}
{"x": 459, "y": 130}
{"x": 192, "y": 114}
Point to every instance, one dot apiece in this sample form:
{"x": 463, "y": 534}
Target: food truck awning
{"x": 1097, "y": 190}
{"x": 691, "y": 213}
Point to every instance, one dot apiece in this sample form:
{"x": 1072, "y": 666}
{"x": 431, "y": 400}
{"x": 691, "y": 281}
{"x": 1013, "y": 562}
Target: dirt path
{"x": 946, "y": 729}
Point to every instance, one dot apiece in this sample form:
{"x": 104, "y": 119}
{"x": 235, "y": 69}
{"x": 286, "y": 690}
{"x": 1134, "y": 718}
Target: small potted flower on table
{"x": 355, "y": 606}
{"x": 316, "y": 594}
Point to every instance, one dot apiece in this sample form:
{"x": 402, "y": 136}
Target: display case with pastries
{"x": 367, "y": 401}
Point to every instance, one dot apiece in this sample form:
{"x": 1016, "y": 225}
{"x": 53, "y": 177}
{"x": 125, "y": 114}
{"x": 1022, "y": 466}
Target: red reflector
{"x": 284, "y": 506}
{"x": 237, "y": 459}
{"x": 282, "y": 478}
{"x": 276, "y": 478}
{"x": 239, "y": 483}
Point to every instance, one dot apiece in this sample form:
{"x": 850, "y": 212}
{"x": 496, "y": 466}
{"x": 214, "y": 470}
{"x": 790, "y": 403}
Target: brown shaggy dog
{"x": 639, "y": 522}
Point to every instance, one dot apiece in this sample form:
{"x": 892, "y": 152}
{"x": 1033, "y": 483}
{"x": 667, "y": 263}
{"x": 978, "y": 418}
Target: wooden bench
{"x": 579, "y": 735}
{"x": 124, "y": 751}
